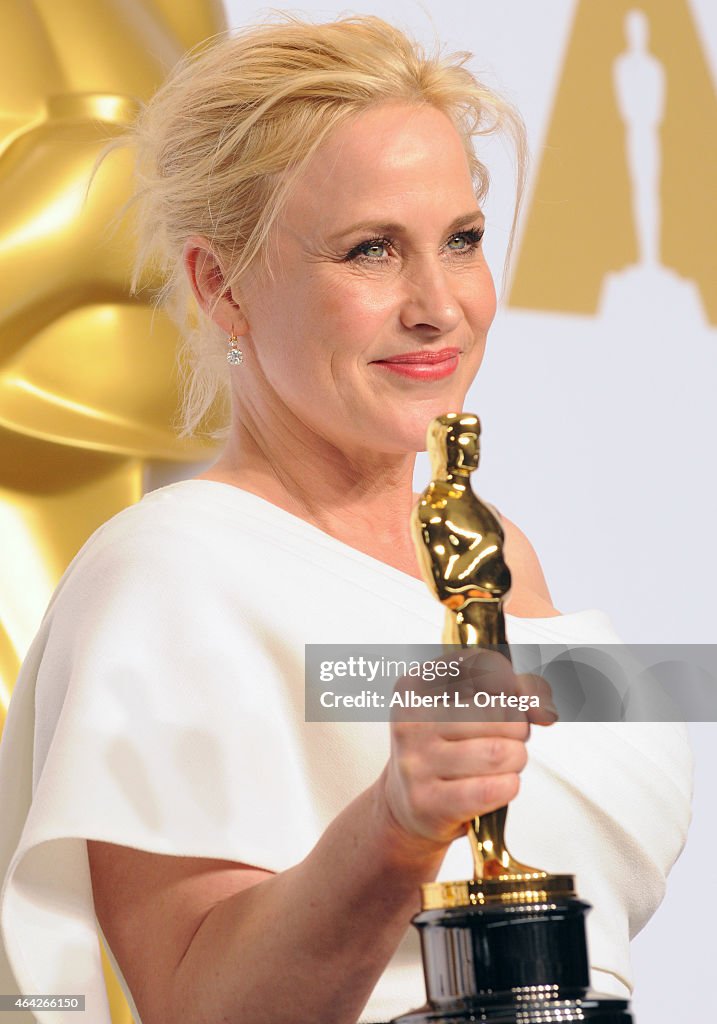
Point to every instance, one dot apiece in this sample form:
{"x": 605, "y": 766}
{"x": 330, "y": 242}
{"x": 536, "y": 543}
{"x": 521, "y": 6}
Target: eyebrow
{"x": 393, "y": 228}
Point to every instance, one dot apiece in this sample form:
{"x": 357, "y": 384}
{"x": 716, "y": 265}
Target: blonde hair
{"x": 220, "y": 144}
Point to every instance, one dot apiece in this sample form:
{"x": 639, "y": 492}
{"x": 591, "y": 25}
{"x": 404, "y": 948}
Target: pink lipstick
{"x": 423, "y": 364}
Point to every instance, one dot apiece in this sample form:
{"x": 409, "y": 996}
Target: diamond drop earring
{"x": 234, "y": 353}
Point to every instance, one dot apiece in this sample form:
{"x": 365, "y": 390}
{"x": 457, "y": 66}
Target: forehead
{"x": 391, "y": 155}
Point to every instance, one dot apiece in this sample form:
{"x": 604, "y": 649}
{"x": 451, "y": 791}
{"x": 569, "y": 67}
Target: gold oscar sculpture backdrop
{"x": 87, "y": 373}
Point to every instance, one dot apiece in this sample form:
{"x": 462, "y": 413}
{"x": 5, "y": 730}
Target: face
{"x": 376, "y": 318}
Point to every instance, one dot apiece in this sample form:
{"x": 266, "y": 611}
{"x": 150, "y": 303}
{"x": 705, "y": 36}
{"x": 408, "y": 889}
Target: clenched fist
{"x": 441, "y": 774}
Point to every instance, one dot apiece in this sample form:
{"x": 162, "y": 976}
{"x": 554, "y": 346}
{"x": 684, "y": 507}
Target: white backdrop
{"x": 598, "y": 435}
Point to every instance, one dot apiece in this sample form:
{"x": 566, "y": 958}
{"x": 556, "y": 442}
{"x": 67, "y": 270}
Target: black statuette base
{"x": 589, "y": 1006}
{"x": 514, "y": 963}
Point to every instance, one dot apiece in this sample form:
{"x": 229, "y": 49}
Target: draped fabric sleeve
{"x": 619, "y": 797}
{"x": 150, "y": 713}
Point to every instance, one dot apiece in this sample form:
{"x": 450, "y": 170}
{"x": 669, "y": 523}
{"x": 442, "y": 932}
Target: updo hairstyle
{"x": 220, "y": 144}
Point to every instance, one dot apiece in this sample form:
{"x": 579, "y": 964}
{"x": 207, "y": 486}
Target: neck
{"x": 362, "y": 498}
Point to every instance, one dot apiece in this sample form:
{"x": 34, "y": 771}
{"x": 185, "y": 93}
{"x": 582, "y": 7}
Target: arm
{"x": 530, "y": 595}
{"x": 213, "y": 941}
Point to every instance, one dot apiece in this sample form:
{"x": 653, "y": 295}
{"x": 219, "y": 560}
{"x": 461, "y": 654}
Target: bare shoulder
{"x": 530, "y": 594}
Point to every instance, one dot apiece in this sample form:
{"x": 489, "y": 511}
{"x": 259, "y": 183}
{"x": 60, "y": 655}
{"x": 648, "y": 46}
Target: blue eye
{"x": 469, "y": 239}
{"x": 368, "y": 249}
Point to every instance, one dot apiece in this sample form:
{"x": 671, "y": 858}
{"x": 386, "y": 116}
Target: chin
{"x": 407, "y": 427}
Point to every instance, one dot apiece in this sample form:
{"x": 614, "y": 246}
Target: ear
{"x": 210, "y": 289}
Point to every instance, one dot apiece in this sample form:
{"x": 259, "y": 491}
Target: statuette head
{"x": 453, "y": 443}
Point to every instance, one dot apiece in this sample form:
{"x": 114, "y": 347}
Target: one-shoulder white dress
{"x": 161, "y": 706}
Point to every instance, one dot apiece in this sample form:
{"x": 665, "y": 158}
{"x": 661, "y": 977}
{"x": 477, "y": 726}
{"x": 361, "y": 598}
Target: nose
{"x": 429, "y": 302}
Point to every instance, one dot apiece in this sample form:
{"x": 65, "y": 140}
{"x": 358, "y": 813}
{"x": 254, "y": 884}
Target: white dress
{"x": 161, "y": 706}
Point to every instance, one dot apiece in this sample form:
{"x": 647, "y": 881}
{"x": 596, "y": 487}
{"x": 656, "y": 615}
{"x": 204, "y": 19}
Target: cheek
{"x": 355, "y": 308}
{"x": 484, "y": 301}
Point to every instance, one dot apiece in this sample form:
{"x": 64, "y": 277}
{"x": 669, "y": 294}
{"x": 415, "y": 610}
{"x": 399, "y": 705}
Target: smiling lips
{"x": 423, "y": 365}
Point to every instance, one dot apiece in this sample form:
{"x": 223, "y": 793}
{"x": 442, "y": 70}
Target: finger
{"x": 474, "y": 729}
{"x": 464, "y": 799}
{"x": 487, "y": 670}
{"x": 532, "y": 685}
{"x": 492, "y": 673}
{"x": 488, "y": 755}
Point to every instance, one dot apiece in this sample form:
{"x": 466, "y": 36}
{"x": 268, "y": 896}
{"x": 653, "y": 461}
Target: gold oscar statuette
{"x": 508, "y": 945}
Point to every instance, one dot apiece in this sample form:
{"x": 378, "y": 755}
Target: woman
{"x": 316, "y": 189}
